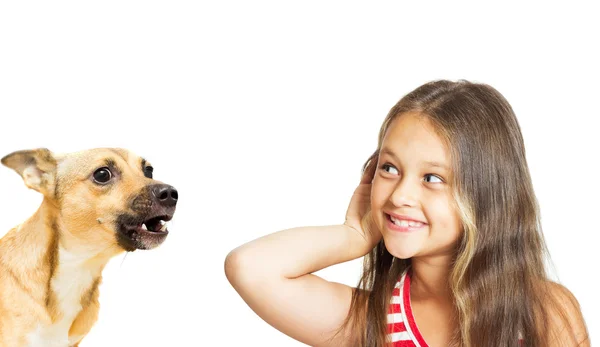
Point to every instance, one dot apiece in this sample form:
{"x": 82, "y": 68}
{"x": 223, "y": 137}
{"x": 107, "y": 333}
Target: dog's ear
{"x": 37, "y": 167}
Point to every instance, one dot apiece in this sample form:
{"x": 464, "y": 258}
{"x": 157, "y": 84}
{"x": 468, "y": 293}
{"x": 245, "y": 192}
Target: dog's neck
{"x": 47, "y": 241}
{"x": 73, "y": 250}
{"x": 61, "y": 275}
{"x": 59, "y": 271}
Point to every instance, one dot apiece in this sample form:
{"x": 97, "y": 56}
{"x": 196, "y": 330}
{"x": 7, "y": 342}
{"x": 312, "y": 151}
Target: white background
{"x": 262, "y": 113}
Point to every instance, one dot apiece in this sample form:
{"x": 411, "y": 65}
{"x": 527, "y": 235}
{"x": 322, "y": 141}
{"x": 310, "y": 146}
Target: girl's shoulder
{"x": 564, "y": 314}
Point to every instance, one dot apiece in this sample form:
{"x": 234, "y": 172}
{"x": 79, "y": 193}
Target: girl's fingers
{"x": 369, "y": 172}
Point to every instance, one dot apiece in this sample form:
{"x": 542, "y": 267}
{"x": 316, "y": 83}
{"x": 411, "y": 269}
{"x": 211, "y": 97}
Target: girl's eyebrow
{"x": 436, "y": 164}
{"x": 426, "y": 163}
{"x": 389, "y": 152}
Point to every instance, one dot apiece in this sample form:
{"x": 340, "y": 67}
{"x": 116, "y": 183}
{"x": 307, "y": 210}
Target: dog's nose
{"x": 166, "y": 195}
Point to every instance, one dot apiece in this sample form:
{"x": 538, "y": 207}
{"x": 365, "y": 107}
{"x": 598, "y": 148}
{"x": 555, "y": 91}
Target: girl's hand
{"x": 360, "y": 205}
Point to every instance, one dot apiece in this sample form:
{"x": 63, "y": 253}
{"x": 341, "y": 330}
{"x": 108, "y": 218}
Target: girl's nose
{"x": 405, "y": 193}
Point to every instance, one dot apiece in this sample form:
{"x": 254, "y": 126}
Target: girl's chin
{"x": 399, "y": 252}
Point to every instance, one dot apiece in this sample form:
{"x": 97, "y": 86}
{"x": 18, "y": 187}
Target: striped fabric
{"x": 402, "y": 329}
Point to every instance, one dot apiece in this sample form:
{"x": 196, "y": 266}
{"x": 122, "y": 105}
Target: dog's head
{"x": 102, "y": 197}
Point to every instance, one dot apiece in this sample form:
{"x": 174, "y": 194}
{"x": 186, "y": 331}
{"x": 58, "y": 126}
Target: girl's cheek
{"x": 444, "y": 213}
{"x": 436, "y": 208}
{"x": 377, "y": 195}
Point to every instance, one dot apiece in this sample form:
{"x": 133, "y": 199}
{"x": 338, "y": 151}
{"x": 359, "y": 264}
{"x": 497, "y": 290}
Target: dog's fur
{"x": 51, "y": 265}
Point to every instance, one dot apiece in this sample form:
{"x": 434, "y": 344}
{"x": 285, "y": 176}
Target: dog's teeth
{"x": 144, "y": 226}
{"x": 164, "y": 226}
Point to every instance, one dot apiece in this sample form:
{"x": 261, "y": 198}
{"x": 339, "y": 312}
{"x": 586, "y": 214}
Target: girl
{"x": 447, "y": 218}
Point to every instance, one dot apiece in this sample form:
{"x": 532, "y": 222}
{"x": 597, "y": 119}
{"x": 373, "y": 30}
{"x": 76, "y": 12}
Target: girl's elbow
{"x": 233, "y": 266}
{"x": 242, "y": 268}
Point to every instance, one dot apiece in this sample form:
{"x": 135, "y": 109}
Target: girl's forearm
{"x": 295, "y": 252}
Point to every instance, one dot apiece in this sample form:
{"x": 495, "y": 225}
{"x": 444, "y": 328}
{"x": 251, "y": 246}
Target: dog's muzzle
{"x": 146, "y": 227}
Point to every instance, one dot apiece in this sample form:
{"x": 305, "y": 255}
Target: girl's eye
{"x": 389, "y": 169}
{"x": 431, "y": 178}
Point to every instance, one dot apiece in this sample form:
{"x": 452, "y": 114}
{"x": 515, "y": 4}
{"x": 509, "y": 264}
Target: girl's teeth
{"x": 405, "y": 224}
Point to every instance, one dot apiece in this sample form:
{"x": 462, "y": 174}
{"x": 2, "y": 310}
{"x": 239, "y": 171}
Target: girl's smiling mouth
{"x": 402, "y": 223}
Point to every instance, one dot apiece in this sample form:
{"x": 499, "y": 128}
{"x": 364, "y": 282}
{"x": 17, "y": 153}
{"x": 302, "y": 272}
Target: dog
{"x": 96, "y": 204}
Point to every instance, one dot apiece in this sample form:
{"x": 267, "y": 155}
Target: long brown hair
{"x": 498, "y": 279}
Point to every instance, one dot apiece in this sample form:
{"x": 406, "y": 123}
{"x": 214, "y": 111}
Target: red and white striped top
{"x": 402, "y": 329}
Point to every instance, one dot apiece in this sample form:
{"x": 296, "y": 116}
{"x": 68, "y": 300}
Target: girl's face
{"x": 411, "y": 200}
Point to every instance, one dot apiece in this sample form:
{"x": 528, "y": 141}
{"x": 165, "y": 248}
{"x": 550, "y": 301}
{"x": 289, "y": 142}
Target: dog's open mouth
{"x": 155, "y": 225}
{"x": 142, "y": 232}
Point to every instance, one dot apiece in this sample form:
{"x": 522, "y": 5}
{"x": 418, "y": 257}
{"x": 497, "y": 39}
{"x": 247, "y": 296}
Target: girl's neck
{"x": 429, "y": 279}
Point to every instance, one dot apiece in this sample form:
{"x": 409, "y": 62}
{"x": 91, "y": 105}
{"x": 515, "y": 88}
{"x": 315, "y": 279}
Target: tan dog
{"x": 97, "y": 204}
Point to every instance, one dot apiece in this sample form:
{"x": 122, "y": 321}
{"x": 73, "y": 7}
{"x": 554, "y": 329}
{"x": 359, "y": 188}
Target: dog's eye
{"x": 102, "y": 175}
{"x": 148, "y": 171}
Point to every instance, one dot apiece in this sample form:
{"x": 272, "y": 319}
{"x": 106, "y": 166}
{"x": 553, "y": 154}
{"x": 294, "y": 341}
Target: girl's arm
{"x": 273, "y": 273}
